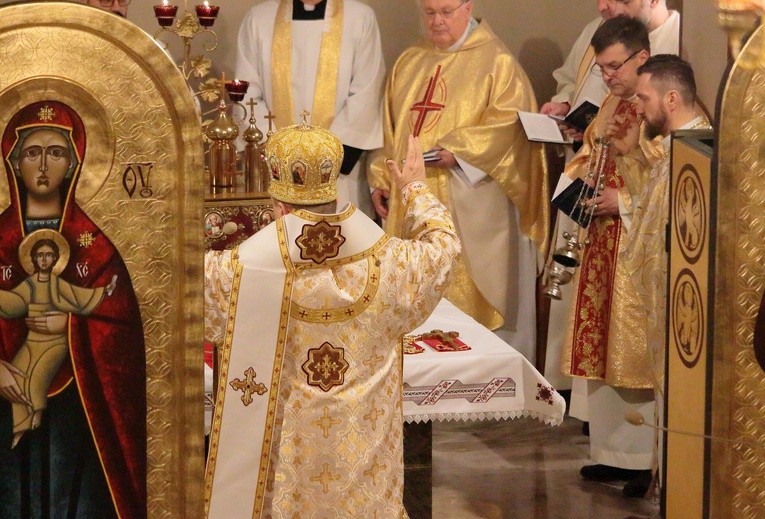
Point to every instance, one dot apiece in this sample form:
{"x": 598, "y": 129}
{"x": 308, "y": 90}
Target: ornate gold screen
{"x": 142, "y": 185}
{"x": 738, "y": 394}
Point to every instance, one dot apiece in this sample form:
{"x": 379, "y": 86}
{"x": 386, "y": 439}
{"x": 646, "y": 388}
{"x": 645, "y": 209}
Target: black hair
{"x": 630, "y": 32}
{"x": 670, "y": 72}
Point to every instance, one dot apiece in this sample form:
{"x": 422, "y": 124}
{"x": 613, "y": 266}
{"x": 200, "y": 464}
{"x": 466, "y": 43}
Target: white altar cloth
{"x": 490, "y": 381}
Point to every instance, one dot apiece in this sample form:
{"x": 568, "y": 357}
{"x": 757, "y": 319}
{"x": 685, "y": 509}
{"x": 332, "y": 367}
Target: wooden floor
{"x": 521, "y": 469}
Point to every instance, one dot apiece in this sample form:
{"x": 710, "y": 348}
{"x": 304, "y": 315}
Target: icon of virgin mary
{"x": 87, "y": 454}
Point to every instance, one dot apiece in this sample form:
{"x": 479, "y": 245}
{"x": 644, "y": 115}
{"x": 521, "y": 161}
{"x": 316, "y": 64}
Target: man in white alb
{"x": 279, "y": 45}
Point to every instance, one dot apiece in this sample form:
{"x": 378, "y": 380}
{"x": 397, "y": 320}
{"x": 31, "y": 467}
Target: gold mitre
{"x": 304, "y": 162}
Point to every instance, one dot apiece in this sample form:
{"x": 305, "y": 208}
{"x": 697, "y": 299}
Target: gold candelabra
{"x": 188, "y": 27}
{"x": 222, "y": 131}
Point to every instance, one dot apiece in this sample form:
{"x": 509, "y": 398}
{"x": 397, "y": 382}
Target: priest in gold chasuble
{"x": 308, "y": 419}
{"x": 459, "y": 90}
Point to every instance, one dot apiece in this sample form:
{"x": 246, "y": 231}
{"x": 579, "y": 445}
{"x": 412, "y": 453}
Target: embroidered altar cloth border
{"x": 490, "y": 381}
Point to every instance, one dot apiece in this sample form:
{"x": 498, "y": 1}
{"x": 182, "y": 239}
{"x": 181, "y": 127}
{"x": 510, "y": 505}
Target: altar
{"x": 489, "y": 381}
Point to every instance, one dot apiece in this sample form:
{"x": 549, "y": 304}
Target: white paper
{"x": 430, "y": 155}
{"x": 563, "y": 182}
{"x": 540, "y": 128}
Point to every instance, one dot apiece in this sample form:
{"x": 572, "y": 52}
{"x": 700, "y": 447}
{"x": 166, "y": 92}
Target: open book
{"x": 544, "y": 128}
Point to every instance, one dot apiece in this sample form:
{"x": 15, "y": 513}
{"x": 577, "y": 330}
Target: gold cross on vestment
{"x": 373, "y": 361}
{"x": 374, "y": 470}
{"x": 373, "y": 415}
{"x": 248, "y": 386}
{"x": 326, "y": 422}
{"x": 325, "y": 477}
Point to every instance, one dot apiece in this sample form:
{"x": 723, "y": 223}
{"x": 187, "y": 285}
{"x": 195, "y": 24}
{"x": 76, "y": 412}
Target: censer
{"x": 568, "y": 256}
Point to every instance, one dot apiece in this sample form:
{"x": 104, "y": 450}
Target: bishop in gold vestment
{"x": 315, "y": 428}
{"x": 465, "y": 99}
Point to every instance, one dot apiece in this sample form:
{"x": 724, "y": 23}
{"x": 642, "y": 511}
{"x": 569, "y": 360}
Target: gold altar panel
{"x": 141, "y": 184}
{"x": 231, "y": 218}
{"x": 738, "y": 410}
{"x": 687, "y": 347}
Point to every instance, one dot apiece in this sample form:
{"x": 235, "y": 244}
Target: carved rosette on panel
{"x": 739, "y": 382}
{"x": 141, "y": 185}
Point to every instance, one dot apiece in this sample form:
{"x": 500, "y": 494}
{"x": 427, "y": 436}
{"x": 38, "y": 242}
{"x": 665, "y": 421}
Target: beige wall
{"x": 538, "y": 32}
{"x": 704, "y": 45}
{"x": 523, "y": 25}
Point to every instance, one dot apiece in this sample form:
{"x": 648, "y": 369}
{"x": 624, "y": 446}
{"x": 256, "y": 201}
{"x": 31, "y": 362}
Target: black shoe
{"x": 638, "y": 486}
{"x": 607, "y": 473}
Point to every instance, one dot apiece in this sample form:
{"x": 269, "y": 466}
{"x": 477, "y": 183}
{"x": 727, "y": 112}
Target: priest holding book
{"x": 606, "y": 341}
{"x": 460, "y": 91}
{"x": 577, "y": 83}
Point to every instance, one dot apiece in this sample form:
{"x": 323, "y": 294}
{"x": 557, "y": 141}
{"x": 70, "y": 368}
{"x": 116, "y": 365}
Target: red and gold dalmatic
{"x": 607, "y": 327}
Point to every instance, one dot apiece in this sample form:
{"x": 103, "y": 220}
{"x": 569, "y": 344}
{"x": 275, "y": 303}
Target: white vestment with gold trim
{"x": 330, "y": 297}
{"x": 357, "y": 107}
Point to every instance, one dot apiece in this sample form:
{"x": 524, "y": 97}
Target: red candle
{"x": 237, "y": 89}
{"x": 207, "y": 14}
{"x": 165, "y": 14}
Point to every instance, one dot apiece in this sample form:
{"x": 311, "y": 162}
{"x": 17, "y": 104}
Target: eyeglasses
{"x": 610, "y": 70}
{"x": 121, "y": 3}
{"x": 446, "y": 14}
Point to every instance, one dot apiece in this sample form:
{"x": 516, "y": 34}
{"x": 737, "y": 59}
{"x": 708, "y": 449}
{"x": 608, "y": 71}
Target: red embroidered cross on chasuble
{"x": 427, "y": 105}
